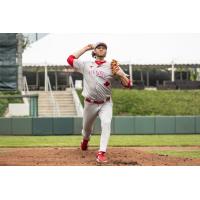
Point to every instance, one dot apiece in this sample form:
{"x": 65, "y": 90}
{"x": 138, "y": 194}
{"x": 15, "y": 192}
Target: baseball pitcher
{"x": 97, "y": 76}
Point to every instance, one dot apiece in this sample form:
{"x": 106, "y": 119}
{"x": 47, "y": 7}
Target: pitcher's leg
{"x": 89, "y": 115}
{"x": 105, "y": 115}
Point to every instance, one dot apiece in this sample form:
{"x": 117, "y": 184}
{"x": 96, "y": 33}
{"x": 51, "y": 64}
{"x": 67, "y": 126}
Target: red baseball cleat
{"x": 84, "y": 145}
{"x": 101, "y": 157}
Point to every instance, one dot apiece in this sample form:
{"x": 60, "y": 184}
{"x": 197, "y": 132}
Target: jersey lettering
{"x": 95, "y": 72}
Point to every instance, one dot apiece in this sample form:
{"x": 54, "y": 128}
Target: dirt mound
{"x": 118, "y": 156}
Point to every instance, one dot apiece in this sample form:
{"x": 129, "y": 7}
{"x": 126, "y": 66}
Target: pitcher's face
{"x": 100, "y": 51}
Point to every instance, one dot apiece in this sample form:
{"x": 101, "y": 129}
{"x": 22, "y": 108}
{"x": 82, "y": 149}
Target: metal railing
{"x": 56, "y": 109}
{"x": 25, "y": 86}
{"x": 71, "y": 83}
{"x": 78, "y": 105}
{"x": 25, "y": 91}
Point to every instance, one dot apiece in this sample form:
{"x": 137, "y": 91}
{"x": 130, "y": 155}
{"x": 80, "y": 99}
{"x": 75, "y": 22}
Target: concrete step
{"x": 59, "y": 102}
{"x": 64, "y": 100}
{"x": 63, "y": 95}
{"x": 60, "y": 105}
{"x": 68, "y": 110}
{"x": 70, "y": 103}
{"x": 63, "y": 105}
{"x": 51, "y": 115}
{"x": 51, "y": 108}
{"x": 68, "y": 115}
{"x": 46, "y": 115}
{"x": 54, "y": 94}
{"x": 56, "y": 98}
{"x": 62, "y": 113}
{"x": 49, "y": 100}
{"x": 47, "y": 108}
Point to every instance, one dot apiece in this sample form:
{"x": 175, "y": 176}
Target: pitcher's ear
{"x": 93, "y": 54}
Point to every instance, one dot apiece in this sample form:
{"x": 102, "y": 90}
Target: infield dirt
{"x": 117, "y": 156}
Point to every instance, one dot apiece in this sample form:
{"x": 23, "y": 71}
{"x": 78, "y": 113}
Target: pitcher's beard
{"x": 101, "y": 56}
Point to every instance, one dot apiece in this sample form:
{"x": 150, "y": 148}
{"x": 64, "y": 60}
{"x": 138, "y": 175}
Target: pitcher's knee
{"x": 106, "y": 123}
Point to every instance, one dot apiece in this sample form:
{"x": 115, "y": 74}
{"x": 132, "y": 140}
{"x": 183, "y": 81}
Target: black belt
{"x": 97, "y": 102}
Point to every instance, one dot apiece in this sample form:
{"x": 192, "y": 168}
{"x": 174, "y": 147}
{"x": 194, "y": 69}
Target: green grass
{"x": 115, "y": 140}
{"x": 4, "y": 102}
{"x": 184, "y": 154}
{"x": 161, "y": 102}
{"x": 80, "y": 96}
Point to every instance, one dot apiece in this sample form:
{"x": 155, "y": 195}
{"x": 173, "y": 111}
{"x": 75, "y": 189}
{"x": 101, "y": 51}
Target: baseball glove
{"x": 117, "y": 70}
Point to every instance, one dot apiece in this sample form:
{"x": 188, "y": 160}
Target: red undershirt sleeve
{"x": 70, "y": 60}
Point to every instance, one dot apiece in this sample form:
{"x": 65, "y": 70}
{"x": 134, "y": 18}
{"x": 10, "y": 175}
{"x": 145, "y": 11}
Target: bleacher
{"x": 179, "y": 84}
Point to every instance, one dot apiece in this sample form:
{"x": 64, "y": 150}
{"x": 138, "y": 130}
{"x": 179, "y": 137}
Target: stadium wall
{"x": 120, "y": 125}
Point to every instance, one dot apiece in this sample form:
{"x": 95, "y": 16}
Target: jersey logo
{"x": 106, "y": 83}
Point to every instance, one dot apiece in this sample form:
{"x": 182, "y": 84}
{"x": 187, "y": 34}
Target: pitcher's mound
{"x": 118, "y": 156}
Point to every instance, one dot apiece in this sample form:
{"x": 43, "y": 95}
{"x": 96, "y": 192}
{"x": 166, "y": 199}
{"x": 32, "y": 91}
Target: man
{"x": 97, "y": 76}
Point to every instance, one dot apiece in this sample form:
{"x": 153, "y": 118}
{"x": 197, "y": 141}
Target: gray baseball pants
{"x": 90, "y": 113}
